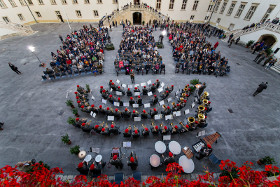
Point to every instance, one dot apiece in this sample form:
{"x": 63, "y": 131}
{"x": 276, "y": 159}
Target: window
{"x": 57, "y": 13}
{"x": 210, "y": 7}
{"x": 171, "y": 4}
{"x": 22, "y": 2}
{"x": 223, "y": 7}
{"x": 192, "y": 16}
{"x": 269, "y": 10}
{"x": 2, "y": 5}
{"x": 251, "y": 12}
{"x": 99, "y": 1}
{"x": 6, "y": 19}
{"x": 95, "y": 13}
{"x": 53, "y": 2}
{"x": 240, "y": 10}
{"x": 231, "y": 8}
{"x": 12, "y": 3}
{"x": 195, "y": 4}
{"x": 75, "y": 1}
{"x": 38, "y": 14}
{"x": 30, "y": 2}
{"x": 86, "y": 1}
{"x": 79, "y": 14}
{"x": 158, "y": 4}
{"x": 218, "y": 20}
{"x": 21, "y": 18}
{"x": 184, "y": 4}
{"x": 218, "y": 3}
{"x": 40, "y": 2}
{"x": 115, "y": 1}
{"x": 231, "y": 26}
{"x": 64, "y": 2}
{"x": 206, "y": 18}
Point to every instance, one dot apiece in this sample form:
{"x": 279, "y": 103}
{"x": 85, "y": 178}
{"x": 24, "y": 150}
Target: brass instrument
{"x": 129, "y": 127}
{"x": 200, "y": 109}
{"x": 101, "y": 124}
{"x": 201, "y": 117}
{"x": 106, "y": 126}
{"x": 144, "y": 127}
{"x": 173, "y": 127}
{"x": 205, "y": 102}
{"x": 162, "y": 128}
{"x": 135, "y": 128}
{"x": 163, "y": 106}
{"x": 186, "y": 129}
{"x": 191, "y": 120}
{"x": 153, "y": 125}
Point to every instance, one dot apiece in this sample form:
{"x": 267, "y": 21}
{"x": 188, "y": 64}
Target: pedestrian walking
{"x": 261, "y": 87}
{"x": 230, "y": 43}
{"x": 237, "y": 40}
{"x": 230, "y": 37}
{"x": 14, "y": 68}
{"x": 132, "y": 76}
{"x": 271, "y": 63}
{"x": 1, "y": 126}
{"x": 216, "y": 45}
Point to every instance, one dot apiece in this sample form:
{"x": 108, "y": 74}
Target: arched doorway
{"x": 137, "y": 18}
{"x": 268, "y": 39}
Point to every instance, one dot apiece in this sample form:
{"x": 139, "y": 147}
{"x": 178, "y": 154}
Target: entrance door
{"x": 59, "y": 16}
{"x": 137, "y": 18}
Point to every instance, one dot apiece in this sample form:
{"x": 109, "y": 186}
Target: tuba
{"x": 205, "y": 102}
{"x": 201, "y": 117}
{"x": 191, "y": 120}
{"x": 201, "y": 109}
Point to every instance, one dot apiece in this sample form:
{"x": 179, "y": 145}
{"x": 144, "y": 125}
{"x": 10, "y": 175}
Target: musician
{"x": 120, "y": 90}
{"x": 153, "y": 112}
{"x": 128, "y": 93}
{"x": 81, "y": 90}
{"x": 95, "y": 170}
{"x": 113, "y": 86}
{"x": 101, "y": 110}
{"x": 101, "y": 89}
{"x": 133, "y": 162}
{"x": 79, "y": 121}
{"x": 154, "y": 100}
{"x": 83, "y": 168}
{"x": 135, "y": 114}
{"x": 145, "y": 131}
{"x": 157, "y": 83}
{"x": 109, "y": 111}
{"x": 166, "y": 111}
{"x": 169, "y": 159}
{"x": 126, "y": 113}
{"x": 154, "y": 130}
{"x": 127, "y": 132}
{"x": 117, "y": 113}
{"x": 204, "y": 151}
{"x": 145, "y": 91}
{"x": 164, "y": 95}
{"x": 104, "y": 94}
{"x": 144, "y": 115}
{"x": 105, "y": 131}
{"x": 139, "y": 101}
{"x": 131, "y": 101}
{"x": 175, "y": 129}
{"x": 119, "y": 100}
{"x": 136, "y": 89}
{"x": 110, "y": 83}
{"x": 153, "y": 88}
{"x": 135, "y": 133}
{"x": 164, "y": 130}
{"x": 94, "y": 109}
{"x": 111, "y": 99}
{"x": 97, "y": 128}
{"x": 116, "y": 161}
{"x": 86, "y": 127}
{"x": 114, "y": 129}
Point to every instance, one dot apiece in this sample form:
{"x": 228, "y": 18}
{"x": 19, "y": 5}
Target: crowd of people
{"x": 138, "y": 52}
{"x": 81, "y": 52}
{"x": 192, "y": 53}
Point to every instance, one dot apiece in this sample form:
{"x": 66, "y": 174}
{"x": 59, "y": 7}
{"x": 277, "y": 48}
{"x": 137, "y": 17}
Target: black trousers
{"x": 256, "y": 93}
{"x": 17, "y": 71}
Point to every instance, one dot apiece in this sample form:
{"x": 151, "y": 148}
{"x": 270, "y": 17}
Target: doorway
{"x": 137, "y": 18}
{"x": 59, "y": 16}
{"x": 268, "y": 39}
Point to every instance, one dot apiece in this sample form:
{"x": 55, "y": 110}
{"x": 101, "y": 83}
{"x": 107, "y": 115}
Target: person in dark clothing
{"x": 201, "y": 89}
{"x": 132, "y": 77}
{"x": 133, "y": 162}
{"x": 117, "y": 162}
{"x": 14, "y": 68}
{"x": 1, "y": 126}
{"x": 261, "y": 87}
{"x": 83, "y": 168}
{"x": 169, "y": 159}
{"x": 204, "y": 151}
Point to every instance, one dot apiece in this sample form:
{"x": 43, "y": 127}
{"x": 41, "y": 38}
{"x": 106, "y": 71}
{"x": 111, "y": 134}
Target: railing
{"x": 134, "y": 8}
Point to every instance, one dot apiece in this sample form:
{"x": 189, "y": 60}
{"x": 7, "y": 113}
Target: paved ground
{"x": 35, "y": 113}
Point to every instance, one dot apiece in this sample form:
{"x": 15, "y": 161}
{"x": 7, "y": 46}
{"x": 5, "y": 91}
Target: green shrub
{"x": 109, "y": 47}
{"x": 75, "y": 150}
{"x": 159, "y": 45}
{"x": 69, "y": 103}
{"x": 71, "y": 121}
{"x": 195, "y": 81}
{"x": 267, "y": 160}
{"x": 249, "y": 43}
{"x": 268, "y": 51}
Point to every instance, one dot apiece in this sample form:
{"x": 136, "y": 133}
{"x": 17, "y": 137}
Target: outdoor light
{"x": 31, "y": 48}
{"x": 163, "y": 32}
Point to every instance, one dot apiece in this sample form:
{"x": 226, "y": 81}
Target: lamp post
{"x": 32, "y": 49}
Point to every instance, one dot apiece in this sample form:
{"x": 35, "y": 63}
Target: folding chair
{"x": 118, "y": 178}
{"x": 214, "y": 159}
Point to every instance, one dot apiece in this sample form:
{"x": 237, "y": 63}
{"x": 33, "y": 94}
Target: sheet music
{"x": 147, "y": 105}
{"x": 187, "y": 111}
{"x": 130, "y": 86}
{"x": 193, "y": 104}
{"x": 168, "y": 117}
{"x": 158, "y": 116}
{"x": 110, "y": 118}
{"x": 143, "y": 84}
{"x": 137, "y": 118}
{"x": 162, "y": 84}
{"x": 169, "y": 99}
{"x": 104, "y": 101}
{"x": 118, "y": 93}
{"x": 149, "y": 82}
{"x": 116, "y": 104}
{"x": 93, "y": 98}
{"x": 118, "y": 81}
{"x": 161, "y": 102}
{"x": 178, "y": 113}
{"x": 150, "y": 93}
{"x": 125, "y": 104}
{"x": 136, "y": 93}
{"x": 124, "y": 85}
{"x": 135, "y": 105}
{"x": 160, "y": 89}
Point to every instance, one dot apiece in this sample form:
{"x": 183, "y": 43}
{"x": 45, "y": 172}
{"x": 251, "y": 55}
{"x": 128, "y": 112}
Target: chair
{"x": 214, "y": 159}
{"x": 137, "y": 176}
{"x": 118, "y": 178}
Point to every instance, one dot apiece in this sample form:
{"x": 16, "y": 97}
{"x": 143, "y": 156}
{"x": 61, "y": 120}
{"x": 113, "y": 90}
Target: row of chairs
{"x": 119, "y": 177}
{"x": 68, "y": 74}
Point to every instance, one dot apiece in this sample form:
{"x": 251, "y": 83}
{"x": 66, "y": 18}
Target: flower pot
{"x": 69, "y": 143}
{"x": 259, "y": 162}
{"x": 77, "y": 115}
{"x": 72, "y": 106}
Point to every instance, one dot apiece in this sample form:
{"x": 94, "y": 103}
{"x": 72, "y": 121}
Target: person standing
{"x": 230, "y": 43}
{"x": 1, "y": 126}
{"x": 132, "y": 76}
{"x": 237, "y": 40}
{"x": 14, "y": 68}
{"x": 216, "y": 45}
{"x": 261, "y": 87}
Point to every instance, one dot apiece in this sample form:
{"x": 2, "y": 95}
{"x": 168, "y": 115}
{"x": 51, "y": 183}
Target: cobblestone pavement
{"x": 35, "y": 113}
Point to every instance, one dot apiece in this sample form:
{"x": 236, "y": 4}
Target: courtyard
{"x": 35, "y": 113}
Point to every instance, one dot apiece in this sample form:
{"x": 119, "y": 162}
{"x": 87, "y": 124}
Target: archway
{"x": 268, "y": 39}
{"x": 137, "y": 18}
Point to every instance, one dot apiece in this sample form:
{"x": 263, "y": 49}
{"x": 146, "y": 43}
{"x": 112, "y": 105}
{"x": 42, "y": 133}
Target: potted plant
{"x": 88, "y": 88}
{"x": 70, "y": 103}
{"x": 266, "y": 160}
{"x": 65, "y": 139}
{"x": 195, "y": 81}
{"x": 269, "y": 51}
{"x": 75, "y": 112}
{"x": 71, "y": 121}
{"x": 249, "y": 43}
{"x": 75, "y": 150}
{"x": 109, "y": 46}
